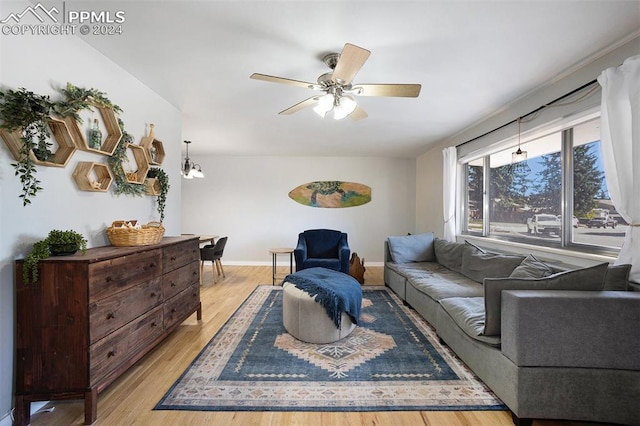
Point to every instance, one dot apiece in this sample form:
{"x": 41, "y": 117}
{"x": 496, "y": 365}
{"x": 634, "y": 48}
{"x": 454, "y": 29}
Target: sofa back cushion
{"x": 412, "y": 248}
{"x": 617, "y": 278}
{"x": 585, "y": 279}
{"x": 449, "y": 254}
{"x": 478, "y": 266}
{"x": 531, "y": 267}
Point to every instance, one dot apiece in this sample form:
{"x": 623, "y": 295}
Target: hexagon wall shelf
{"x": 114, "y": 133}
{"x": 153, "y": 148}
{"x": 91, "y": 176}
{"x": 140, "y": 157}
{"x": 59, "y": 131}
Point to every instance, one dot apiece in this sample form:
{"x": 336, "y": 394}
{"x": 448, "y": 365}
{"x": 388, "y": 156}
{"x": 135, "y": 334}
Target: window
{"x": 557, "y": 197}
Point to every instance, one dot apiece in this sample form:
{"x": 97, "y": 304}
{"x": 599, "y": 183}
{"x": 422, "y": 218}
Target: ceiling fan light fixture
{"x": 345, "y": 106}
{"x": 325, "y": 104}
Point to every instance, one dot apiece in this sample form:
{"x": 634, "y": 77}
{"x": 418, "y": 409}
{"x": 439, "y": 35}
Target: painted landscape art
{"x": 331, "y": 194}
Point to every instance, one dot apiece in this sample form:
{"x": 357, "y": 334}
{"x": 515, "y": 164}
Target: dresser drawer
{"x": 114, "y": 350}
{"x": 177, "y": 255}
{"x": 113, "y": 275}
{"x": 109, "y": 314}
{"x": 181, "y": 305}
{"x": 176, "y": 281}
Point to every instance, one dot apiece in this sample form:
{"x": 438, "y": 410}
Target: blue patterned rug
{"x": 391, "y": 361}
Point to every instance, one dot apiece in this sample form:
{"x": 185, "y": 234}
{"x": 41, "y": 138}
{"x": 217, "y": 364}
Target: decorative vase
{"x": 66, "y": 249}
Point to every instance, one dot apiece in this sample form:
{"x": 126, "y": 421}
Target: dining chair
{"x": 213, "y": 252}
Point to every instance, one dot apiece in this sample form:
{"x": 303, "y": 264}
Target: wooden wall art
{"x": 331, "y": 194}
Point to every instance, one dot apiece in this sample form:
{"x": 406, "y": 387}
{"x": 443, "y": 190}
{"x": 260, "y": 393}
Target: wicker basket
{"x": 151, "y": 233}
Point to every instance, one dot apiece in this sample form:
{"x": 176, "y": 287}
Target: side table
{"x": 274, "y": 254}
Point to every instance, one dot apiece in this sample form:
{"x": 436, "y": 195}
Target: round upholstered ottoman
{"x": 307, "y": 320}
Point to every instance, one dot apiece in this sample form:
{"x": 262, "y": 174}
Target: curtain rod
{"x": 532, "y": 112}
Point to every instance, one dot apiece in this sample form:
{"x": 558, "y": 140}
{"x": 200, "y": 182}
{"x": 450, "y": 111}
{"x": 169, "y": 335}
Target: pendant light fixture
{"x": 190, "y": 170}
{"x": 519, "y": 155}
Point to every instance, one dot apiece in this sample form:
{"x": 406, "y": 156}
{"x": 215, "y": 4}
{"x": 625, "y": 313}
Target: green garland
{"x": 119, "y": 156}
{"x": 26, "y": 111}
{"x": 78, "y": 98}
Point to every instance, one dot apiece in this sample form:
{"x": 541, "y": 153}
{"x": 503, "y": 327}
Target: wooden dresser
{"x": 89, "y": 318}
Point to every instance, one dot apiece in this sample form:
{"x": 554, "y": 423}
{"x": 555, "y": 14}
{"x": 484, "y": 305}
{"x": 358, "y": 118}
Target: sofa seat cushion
{"x": 440, "y": 283}
{"x": 468, "y": 314}
{"x": 407, "y": 268}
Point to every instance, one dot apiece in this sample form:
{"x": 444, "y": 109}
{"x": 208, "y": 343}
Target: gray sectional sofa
{"x": 550, "y": 342}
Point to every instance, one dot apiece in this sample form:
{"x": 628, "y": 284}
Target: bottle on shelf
{"x": 95, "y": 135}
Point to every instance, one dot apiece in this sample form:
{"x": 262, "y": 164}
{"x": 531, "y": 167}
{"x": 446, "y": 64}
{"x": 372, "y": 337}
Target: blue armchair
{"x": 325, "y": 248}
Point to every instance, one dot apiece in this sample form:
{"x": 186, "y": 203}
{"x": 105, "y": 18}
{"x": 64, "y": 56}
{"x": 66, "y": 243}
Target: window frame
{"x": 564, "y": 126}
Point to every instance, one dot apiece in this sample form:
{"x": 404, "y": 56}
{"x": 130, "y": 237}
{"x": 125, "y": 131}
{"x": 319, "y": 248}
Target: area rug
{"x": 391, "y": 361}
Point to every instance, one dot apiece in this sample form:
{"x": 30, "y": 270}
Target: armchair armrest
{"x": 557, "y": 328}
{"x": 300, "y": 252}
{"x": 344, "y": 253}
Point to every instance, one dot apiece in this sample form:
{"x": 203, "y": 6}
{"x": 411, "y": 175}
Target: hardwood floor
{"x": 130, "y": 400}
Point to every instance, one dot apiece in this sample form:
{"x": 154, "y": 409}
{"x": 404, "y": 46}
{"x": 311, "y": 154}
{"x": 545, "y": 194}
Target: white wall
{"x": 429, "y": 203}
{"x": 40, "y": 64}
{"x": 246, "y": 199}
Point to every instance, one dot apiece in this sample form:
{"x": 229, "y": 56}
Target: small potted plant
{"x": 28, "y": 113}
{"x": 161, "y": 185}
{"x": 57, "y": 243}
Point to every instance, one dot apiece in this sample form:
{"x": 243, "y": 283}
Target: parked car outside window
{"x": 543, "y": 224}
{"x": 574, "y": 220}
{"x": 602, "y": 222}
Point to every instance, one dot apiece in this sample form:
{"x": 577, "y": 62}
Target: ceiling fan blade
{"x": 358, "y": 114}
{"x": 349, "y": 63}
{"x": 300, "y": 105}
{"x": 393, "y": 90}
{"x": 272, "y": 79}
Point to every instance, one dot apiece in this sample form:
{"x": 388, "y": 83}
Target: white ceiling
{"x": 471, "y": 57}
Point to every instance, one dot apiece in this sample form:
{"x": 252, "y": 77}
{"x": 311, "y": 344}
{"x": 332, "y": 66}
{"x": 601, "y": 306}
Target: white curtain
{"x": 620, "y": 136}
{"x": 449, "y": 192}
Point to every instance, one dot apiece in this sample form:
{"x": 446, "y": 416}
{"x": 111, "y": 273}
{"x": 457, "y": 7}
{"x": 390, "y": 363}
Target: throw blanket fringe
{"x": 335, "y": 291}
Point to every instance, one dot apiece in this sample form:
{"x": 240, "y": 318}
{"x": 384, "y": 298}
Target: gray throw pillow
{"x": 478, "y": 266}
{"x": 617, "y": 278}
{"x": 449, "y": 254}
{"x": 532, "y": 268}
{"x": 412, "y": 248}
{"x": 585, "y": 279}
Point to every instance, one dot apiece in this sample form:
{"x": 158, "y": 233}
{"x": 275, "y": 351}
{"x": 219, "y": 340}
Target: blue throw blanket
{"x": 335, "y": 291}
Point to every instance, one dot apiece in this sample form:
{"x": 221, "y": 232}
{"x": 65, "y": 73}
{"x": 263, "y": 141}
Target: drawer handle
{"x": 153, "y": 294}
{"x": 108, "y": 279}
{"x": 173, "y": 284}
{"x": 111, "y": 315}
{"x": 152, "y": 265}
{"x": 153, "y": 324}
{"x": 194, "y": 273}
{"x": 111, "y": 353}
{"x": 173, "y": 311}
{"x": 173, "y": 258}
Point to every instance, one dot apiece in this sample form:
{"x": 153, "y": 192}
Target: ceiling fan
{"x": 337, "y": 87}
